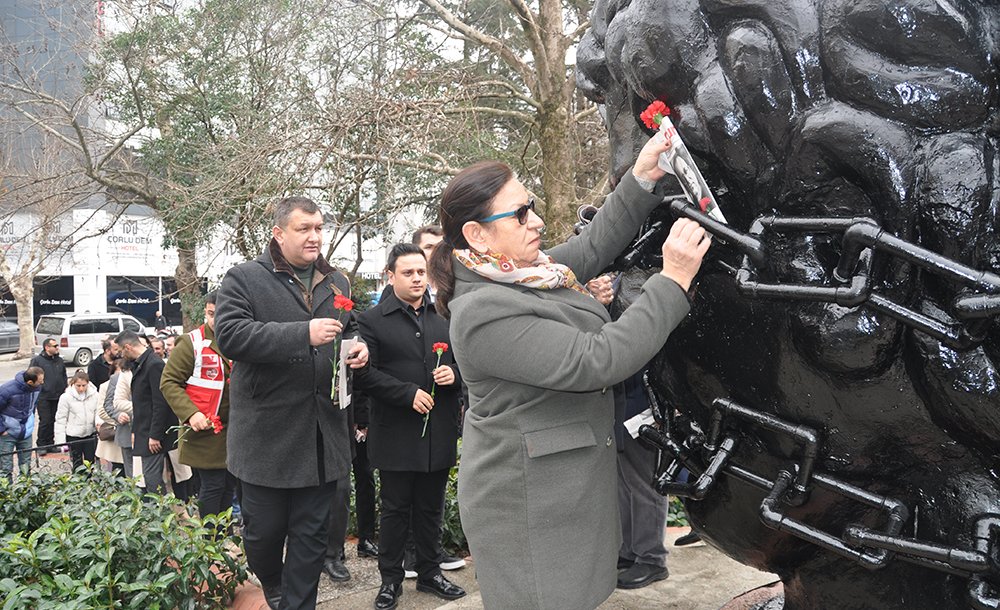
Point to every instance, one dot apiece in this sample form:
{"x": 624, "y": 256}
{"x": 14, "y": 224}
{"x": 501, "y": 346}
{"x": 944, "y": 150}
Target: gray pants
{"x": 152, "y": 473}
{"x": 643, "y": 510}
{"x": 127, "y": 462}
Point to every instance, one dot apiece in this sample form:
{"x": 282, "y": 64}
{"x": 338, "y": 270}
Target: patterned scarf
{"x": 543, "y": 274}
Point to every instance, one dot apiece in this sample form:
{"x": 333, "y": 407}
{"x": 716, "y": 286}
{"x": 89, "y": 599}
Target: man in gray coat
{"x": 288, "y": 443}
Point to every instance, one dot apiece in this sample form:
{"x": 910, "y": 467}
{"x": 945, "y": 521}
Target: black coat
{"x": 401, "y": 361}
{"x": 99, "y": 371}
{"x": 280, "y": 387}
{"x": 55, "y": 375}
{"x": 151, "y": 415}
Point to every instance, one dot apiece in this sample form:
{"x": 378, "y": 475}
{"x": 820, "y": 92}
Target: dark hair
{"x": 48, "y": 342}
{"x": 32, "y": 372}
{"x": 284, "y": 208}
{"x": 211, "y": 297}
{"x": 401, "y": 250}
{"x": 105, "y": 345}
{"x": 426, "y": 230}
{"x": 80, "y": 374}
{"x": 127, "y": 337}
{"x": 467, "y": 197}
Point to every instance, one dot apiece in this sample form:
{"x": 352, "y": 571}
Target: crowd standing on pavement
{"x": 285, "y": 390}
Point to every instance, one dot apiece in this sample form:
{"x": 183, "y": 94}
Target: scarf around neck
{"x": 543, "y": 274}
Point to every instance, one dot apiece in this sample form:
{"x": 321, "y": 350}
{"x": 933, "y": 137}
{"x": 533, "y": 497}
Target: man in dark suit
{"x": 288, "y": 444}
{"x": 405, "y": 384}
{"x": 151, "y": 415}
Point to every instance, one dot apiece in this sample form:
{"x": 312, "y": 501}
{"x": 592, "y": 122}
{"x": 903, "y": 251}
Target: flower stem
{"x": 427, "y": 415}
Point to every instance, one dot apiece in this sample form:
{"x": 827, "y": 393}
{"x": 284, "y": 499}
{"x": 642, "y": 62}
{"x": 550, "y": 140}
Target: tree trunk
{"x": 558, "y": 172}
{"x": 22, "y": 289}
{"x": 189, "y": 287}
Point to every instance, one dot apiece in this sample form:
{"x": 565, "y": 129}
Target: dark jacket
{"x": 17, "y": 407}
{"x": 99, "y": 370}
{"x": 280, "y": 385}
{"x": 400, "y": 362}
{"x": 202, "y": 449}
{"x": 55, "y": 375}
{"x": 151, "y": 415}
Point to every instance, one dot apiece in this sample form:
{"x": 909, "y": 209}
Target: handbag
{"x": 106, "y": 432}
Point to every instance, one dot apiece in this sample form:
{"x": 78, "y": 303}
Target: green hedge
{"x": 75, "y": 542}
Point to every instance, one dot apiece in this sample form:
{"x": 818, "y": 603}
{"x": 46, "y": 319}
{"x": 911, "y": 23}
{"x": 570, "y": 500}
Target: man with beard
{"x": 414, "y": 413}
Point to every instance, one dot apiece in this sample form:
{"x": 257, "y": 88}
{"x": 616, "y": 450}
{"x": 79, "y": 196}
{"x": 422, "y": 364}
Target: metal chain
{"x": 792, "y": 486}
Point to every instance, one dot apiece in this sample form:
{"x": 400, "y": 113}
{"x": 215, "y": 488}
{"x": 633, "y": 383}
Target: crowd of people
{"x": 285, "y": 390}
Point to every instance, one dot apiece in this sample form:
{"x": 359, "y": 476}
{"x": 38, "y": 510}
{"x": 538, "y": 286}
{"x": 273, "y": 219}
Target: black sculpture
{"x": 837, "y": 382}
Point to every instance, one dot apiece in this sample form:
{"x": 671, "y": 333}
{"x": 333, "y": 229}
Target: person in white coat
{"x": 75, "y": 419}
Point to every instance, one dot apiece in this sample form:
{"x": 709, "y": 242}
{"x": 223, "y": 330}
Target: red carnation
{"x": 653, "y": 115}
{"x": 342, "y": 302}
{"x": 216, "y": 423}
{"x": 438, "y": 348}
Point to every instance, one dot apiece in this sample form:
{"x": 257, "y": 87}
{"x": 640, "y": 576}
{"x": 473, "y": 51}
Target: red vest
{"x": 208, "y": 379}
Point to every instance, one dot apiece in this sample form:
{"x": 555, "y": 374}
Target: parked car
{"x": 80, "y": 334}
{"x": 9, "y": 336}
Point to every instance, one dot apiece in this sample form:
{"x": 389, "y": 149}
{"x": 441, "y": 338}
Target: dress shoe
{"x": 451, "y": 562}
{"x": 367, "y": 548}
{"x": 388, "y": 596}
{"x": 688, "y": 538}
{"x": 640, "y": 575}
{"x": 441, "y": 586}
{"x": 336, "y": 570}
{"x": 272, "y": 595}
{"x": 625, "y": 563}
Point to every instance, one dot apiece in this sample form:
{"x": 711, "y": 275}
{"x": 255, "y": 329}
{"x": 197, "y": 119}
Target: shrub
{"x": 69, "y": 541}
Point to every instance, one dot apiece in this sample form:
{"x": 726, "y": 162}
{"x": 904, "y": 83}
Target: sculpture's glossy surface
{"x": 837, "y": 108}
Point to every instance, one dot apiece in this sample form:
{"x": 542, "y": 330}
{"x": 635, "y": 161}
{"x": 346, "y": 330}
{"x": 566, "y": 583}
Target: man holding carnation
{"x": 413, "y": 387}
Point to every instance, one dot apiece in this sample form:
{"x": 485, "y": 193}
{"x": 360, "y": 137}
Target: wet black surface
{"x": 835, "y": 108}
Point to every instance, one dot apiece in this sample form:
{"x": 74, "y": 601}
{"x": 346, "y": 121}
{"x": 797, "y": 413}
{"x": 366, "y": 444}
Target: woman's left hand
{"x": 443, "y": 375}
{"x": 645, "y": 166}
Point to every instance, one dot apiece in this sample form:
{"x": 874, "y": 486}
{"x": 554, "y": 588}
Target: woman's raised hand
{"x": 645, "y": 165}
{"x": 683, "y": 251}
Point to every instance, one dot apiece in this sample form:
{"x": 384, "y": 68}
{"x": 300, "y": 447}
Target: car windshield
{"x": 48, "y": 325}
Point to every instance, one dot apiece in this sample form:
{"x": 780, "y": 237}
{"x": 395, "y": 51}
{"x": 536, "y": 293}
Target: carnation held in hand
{"x": 438, "y": 348}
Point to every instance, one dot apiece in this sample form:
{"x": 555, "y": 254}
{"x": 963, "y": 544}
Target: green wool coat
{"x": 537, "y": 480}
{"x": 203, "y": 449}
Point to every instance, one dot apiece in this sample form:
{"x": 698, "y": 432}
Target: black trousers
{"x": 404, "y": 495}
{"x": 82, "y": 451}
{"x": 216, "y": 492}
{"x": 299, "y": 516}
{"x": 46, "y": 421}
{"x": 364, "y": 492}
{"x": 340, "y": 509}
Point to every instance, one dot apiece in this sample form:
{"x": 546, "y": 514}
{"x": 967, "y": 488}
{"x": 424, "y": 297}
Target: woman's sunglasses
{"x": 520, "y": 213}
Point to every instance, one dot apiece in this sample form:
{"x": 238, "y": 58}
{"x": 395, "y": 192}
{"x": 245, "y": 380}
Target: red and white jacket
{"x": 208, "y": 379}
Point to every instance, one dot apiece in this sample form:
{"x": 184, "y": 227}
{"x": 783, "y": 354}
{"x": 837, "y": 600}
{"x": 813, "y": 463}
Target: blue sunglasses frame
{"x": 521, "y": 213}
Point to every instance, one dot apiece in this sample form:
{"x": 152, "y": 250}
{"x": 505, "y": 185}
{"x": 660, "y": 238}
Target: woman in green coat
{"x": 537, "y": 486}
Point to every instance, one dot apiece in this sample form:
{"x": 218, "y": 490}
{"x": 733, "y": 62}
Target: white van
{"x": 80, "y": 334}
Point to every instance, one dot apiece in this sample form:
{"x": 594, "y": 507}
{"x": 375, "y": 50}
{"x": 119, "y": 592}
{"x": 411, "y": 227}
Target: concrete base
{"x": 701, "y": 578}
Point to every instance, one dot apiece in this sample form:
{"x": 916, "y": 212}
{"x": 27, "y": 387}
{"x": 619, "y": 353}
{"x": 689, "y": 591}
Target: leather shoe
{"x": 688, "y": 538}
{"x": 272, "y": 595}
{"x": 388, "y": 596}
{"x": 640, "y": 575}
{"x": 367, "y": 548}
{"x": 625, "y": 563}
{"x": 336, "y": 570}
{"x": 441, "y": 586}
